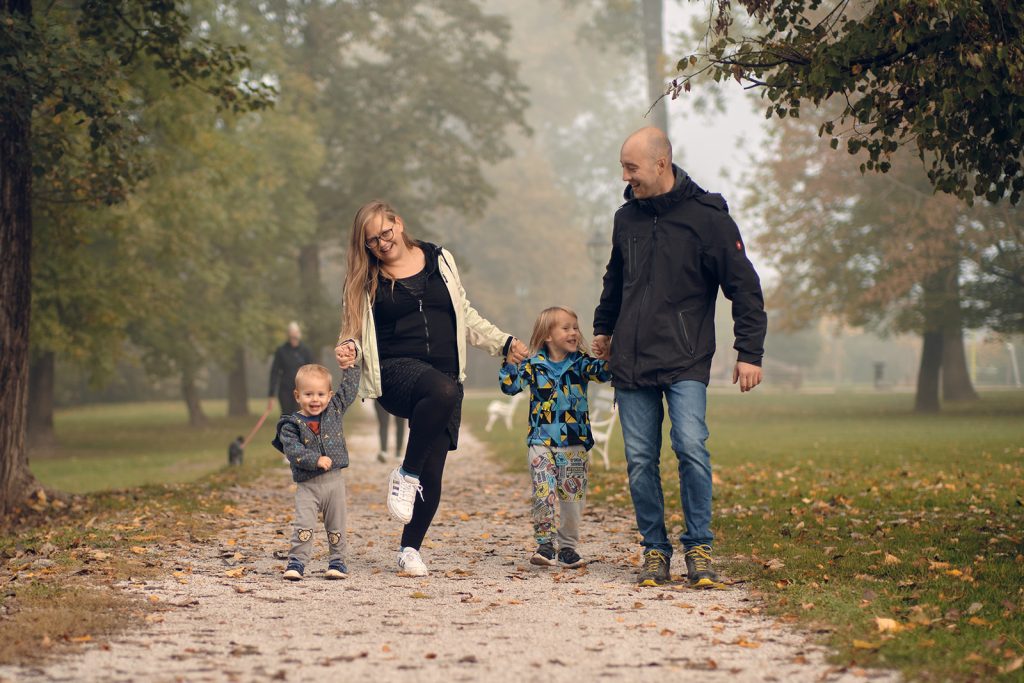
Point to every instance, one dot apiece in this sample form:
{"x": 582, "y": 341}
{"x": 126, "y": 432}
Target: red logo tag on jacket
{"x": 739, "y": 245}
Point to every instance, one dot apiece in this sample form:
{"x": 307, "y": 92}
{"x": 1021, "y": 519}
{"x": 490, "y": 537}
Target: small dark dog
{"x": 236, "y": 452}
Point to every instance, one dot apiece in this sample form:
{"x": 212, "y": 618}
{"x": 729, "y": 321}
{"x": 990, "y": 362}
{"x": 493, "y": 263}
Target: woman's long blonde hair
{"x": 363, "y": 268}
{"x": 545, "y": 322}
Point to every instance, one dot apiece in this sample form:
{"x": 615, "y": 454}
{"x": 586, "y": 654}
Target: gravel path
{"x": 484, "y": 613}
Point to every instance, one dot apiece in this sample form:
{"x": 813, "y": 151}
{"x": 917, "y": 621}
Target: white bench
{"x": 504, "y": 408}
{"x": 603, "y": 414}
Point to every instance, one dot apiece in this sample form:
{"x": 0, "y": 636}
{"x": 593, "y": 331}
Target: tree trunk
{"x": 317, "y": 330}
{"x": 927, "y": 398}
{"x": 15, "y": 281}
{"x": 196, "y": 416}
{"x": 41, "y": 378}
{"x": 933, "y": 306}
{"x": 654, "y": 56}
{"x": 238, "y": 386}
{"x": 956, "y": 380}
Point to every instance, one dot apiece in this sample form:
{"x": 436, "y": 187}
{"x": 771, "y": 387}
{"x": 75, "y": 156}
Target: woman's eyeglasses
{"x": 385, "y": 235}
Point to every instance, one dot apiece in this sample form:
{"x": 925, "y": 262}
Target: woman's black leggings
{"x": 435, "y": 397}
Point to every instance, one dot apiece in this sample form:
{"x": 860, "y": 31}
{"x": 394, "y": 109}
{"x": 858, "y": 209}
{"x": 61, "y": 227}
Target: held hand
{"x": 747, "y": 374}
{"x": 517, "y": 352}
{"x": 601, "y": 346}
{"x": 345, "y": 353}
{"x": 323, "y": 462}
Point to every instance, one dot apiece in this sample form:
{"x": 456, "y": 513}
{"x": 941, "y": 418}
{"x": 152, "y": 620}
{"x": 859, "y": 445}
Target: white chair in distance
{"x": 603, "y": 414}
{"x": 504, "y": 409}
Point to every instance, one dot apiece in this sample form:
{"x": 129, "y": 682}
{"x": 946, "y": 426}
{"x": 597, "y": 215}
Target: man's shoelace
{"x": 701, "y": 558}
{"x": 652, "y": 560}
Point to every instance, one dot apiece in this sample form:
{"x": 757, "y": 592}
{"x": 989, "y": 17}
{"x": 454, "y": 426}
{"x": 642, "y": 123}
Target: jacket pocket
{"x": 688, "y": 331}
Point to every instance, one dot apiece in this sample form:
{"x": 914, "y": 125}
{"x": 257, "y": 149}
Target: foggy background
{"x": 526, "y": 207}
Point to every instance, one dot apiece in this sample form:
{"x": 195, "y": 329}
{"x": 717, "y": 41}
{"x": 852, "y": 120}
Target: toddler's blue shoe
{"x": 336, "y": 570}
{"x": 294, "y": 570}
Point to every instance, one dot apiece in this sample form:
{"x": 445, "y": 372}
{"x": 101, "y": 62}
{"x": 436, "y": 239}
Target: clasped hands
{"x": 345, "y": 354}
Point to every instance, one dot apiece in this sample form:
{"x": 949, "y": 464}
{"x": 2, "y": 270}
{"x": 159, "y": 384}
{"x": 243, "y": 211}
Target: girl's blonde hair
{"x": 363, "y": 268}
{"x": 546, "y": 322}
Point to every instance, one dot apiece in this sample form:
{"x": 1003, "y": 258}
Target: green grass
{"x": 845, "y": 509}
{"x": 105, "y": 447}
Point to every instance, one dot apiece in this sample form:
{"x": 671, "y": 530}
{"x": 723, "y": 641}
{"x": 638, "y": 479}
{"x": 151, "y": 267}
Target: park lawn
{"x": 900, "y": 535}
{"x": 105, "y": 447}
{"x": 152, "y": 484}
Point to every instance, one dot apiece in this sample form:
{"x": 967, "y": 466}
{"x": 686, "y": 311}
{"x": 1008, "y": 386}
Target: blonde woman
{"x": 408, "y": 315}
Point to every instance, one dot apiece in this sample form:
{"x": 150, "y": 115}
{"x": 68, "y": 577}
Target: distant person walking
{"x": 407, "y": 312}
{"x": 384, "y": 419}
{"x": 673, "y": 246}
{"x": 288, "y": 358}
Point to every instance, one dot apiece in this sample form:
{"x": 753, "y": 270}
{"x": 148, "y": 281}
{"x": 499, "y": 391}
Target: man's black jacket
{"x": 670, "y": 254}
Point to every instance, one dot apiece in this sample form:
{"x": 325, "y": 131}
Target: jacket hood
{"x": 541, "y": 358}
{"x": 683, "y": 188}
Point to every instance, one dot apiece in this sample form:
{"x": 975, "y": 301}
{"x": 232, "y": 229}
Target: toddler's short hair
{"x": 313, "y": 372}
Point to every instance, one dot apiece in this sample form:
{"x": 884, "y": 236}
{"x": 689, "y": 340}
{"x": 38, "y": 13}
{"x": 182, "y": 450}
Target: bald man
{"x": 673, "y": 246}
{"x": 288, "y": 358}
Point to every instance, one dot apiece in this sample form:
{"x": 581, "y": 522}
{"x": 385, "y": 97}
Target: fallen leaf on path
{"x": 235, "y": 573}
{"x": 891, "y": 559}
{"x": 139, "y": 550}
{"x": 743, "y": 642}
{"x": 242, "y": 589}
{"x": 865, "y": 645}
{"x": 419, "y": 596}
{"x": 80, "y": 639}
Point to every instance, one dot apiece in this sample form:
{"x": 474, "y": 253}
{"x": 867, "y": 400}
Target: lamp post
{"x": 597, "y": 248}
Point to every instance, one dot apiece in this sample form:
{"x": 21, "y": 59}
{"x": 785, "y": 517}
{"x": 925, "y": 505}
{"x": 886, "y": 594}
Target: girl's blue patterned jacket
{"x": 558, "y": 402}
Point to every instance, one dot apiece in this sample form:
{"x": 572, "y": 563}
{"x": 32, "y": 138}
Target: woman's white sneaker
{"x": 402, "y": 492}
{"x": 410, "y": 563}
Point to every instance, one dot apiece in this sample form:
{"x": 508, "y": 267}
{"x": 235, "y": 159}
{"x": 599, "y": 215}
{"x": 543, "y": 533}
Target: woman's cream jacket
{"x": 469, "y": 326}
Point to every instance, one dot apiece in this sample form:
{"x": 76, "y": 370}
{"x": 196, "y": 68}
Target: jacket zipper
{"x": 643, "y": 297}
{"x": 426, "y": 326}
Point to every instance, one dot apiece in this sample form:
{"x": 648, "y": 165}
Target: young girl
{"x": 557, "y": 374}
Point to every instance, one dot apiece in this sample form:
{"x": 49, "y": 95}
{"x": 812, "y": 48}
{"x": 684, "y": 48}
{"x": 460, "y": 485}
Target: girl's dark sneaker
{"x": 336, "y": 570}
{"x": 568, "y": 557}
{"x": 655, "y": 571}
{"x": 545, "y": 555}
{"x": 698, "y": 567}
{"x": 294, "y": 571}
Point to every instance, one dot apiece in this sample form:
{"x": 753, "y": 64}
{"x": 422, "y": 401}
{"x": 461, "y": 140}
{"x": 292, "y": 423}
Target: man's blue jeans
{"x": 641, "y": 413}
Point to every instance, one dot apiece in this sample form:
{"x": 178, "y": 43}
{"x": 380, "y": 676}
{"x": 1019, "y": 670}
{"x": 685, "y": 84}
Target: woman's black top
{"x": 415, "y": 318}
